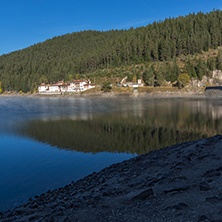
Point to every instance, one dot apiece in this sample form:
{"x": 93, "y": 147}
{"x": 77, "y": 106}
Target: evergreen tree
{"x": 200, "y": 69}
{"x": 106, "y": 87}
{"x": 159, "y": 77}
{"x": 219, "y": 60}
{"x": 148, "y": 76}
{"x": 191, "y": 70}
{"x": 175, "y": 71}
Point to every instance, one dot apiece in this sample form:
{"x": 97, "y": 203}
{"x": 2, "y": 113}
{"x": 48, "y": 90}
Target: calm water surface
{"x": 46, "y": 143}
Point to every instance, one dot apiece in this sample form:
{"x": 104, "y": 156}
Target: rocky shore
{"x": 178, "y": 183}
{"x": 110, "y": 95}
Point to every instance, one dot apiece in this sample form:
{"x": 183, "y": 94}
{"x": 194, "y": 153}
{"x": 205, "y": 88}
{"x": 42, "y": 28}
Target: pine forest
{"x": 158, "y": 52}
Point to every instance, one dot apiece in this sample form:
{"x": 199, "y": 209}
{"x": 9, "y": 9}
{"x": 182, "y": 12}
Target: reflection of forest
{"x": 139, "y": 132}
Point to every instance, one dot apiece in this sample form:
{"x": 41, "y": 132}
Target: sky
{"x": 27, "y": 22}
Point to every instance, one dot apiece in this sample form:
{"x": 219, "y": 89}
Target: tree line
{"x": 65, "y": 57}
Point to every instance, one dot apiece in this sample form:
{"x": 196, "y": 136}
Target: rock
{"x": 201, "y": 157}
{"x": 183, "y": 188}
{"x": 143, "y": 195}
{"x": 34, "y": 218}
{"x": 107, "y": 193}
{"x": 204, "y": 186}
{"x": 69, "y": 205}
{"x": 156, "y": 180}
{"x": 212, "y": 173}
{"x": 203, "y": 218}
{"x": 212, "y": 199}
{"x": 20, "y": 210}
{"x": 180, "y": 206}
{"x": 64, "y": 219}
{"x": 96, "y": 198}
{"x": 34, "y": 205}
{"x": 54, "y": 205}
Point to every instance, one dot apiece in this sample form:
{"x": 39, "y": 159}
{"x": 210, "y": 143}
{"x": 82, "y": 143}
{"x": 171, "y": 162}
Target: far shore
{"x": 157, "y": 94}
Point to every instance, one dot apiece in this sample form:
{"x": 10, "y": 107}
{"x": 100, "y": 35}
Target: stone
{"x": 143, "y": 195}
{"x": 204, "y": 186}
{"x": 21, "y": 210}
{"x": 203, "y": 218}
{"x": 180, "y": 206}
{"x": 212, "y": 199}
{"x": 201, "y": 157}
{"x": 212, "y": 173}
{"x": 34, "y": 218}
{"x": 69, "y": 205}
{"x": 179, "y": 189}
{"x": 34, "y": 205}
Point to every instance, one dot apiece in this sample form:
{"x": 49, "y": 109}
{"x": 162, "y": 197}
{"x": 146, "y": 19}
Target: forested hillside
{"x": 88, "y": 52}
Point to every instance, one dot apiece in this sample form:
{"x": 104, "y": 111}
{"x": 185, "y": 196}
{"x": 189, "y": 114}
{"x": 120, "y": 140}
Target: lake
{"x": 46, "y": 142}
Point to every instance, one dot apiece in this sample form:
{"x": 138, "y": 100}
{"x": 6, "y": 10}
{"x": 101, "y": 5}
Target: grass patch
{"x": 122, "y": 90}
{"x": 93, "y": 90}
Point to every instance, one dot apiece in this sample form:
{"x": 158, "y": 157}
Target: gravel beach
{"x": 178, "y": 183}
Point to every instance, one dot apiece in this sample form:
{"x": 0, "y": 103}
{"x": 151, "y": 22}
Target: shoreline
{"x": 157, "y": 94}
{"x": 177, "y": 183}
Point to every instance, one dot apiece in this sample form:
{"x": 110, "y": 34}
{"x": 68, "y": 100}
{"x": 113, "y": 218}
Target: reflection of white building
{"x": 61, "y": 87}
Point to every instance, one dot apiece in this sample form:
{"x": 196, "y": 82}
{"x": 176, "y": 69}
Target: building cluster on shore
{"x": 61, "y": 87}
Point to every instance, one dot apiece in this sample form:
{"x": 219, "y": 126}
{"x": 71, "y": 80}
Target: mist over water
{"x": 46, "y": 143}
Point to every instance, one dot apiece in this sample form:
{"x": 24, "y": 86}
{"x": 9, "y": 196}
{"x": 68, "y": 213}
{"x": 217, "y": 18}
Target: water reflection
{"x": 139, "y": 127}
{"x": 111, "y": 128}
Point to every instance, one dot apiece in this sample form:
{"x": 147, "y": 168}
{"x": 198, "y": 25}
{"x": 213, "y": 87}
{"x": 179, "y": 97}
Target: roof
{"x": 65, "y": 85}
{"x": 59, "y": 82}
{"x": 54, "y": 85}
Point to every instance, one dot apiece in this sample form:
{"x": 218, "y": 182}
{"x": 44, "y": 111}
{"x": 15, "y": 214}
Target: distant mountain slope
{"x": 88, "y": 51}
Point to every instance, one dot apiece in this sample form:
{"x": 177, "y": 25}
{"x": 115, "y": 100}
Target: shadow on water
{"x": 123, "y": 133}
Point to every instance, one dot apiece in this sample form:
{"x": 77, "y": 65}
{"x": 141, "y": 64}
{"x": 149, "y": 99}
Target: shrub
{"x": 106, "y": 87}
{"x": 183, "y": 79}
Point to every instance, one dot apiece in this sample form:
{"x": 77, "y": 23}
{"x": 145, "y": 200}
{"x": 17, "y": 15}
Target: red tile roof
{"x": 65, "y": 85}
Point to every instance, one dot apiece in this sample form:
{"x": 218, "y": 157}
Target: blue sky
{"x": 26, "y": 22}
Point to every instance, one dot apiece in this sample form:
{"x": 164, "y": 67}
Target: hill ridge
{"x": 84, "y": 52}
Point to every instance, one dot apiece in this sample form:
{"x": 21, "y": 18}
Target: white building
{"x": 54, "y": 89}
{"x": 64, "y": 87}
{"x": 43, "y": 88}
{"x": 61, "y": 87}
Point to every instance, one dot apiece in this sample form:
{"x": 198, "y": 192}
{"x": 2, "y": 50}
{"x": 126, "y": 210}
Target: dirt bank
{"x": 178, "y": 183}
